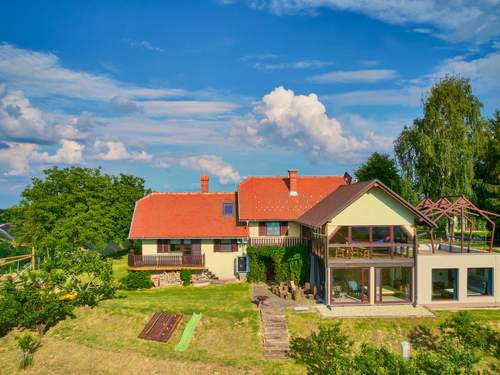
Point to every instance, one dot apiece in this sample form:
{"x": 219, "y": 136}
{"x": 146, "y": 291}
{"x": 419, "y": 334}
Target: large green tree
{"x": 381, "y": 167}
{"x": 438, "y": 152}
{"x": 76, "y": 208}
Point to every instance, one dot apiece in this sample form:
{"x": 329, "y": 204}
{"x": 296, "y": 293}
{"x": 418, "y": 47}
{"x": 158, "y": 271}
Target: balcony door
{"x": 350, "y": 285}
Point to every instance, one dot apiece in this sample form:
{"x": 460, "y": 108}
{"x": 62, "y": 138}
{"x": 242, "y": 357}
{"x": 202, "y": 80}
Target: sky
{"x": 170, "y": 90}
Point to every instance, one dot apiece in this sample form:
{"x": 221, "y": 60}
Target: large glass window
{"x": 350, "y": 285}
{"x": 445, "y": 284}
{"x": 393, "y": 284}
{"x": 273, "y": 228}
{"x": 480, "y": 282}
{"x": 226, "y": 246}
{"x": 175, "y": 245}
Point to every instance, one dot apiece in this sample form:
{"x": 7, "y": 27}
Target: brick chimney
{"x": 292, "y": 178}
{"x": 204, "y": 184}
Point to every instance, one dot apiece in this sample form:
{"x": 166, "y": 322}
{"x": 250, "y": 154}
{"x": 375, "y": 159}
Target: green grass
{"x": 120, "y": 267}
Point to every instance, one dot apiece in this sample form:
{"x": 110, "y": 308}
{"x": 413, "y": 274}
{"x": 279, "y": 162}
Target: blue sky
{"x": 170, "y": 90}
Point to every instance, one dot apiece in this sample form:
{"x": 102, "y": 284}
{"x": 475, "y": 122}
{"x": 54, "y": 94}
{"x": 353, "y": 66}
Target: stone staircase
{"x": 274, "y": 333}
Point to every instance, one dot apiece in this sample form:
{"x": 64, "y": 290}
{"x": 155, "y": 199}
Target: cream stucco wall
{"x": 293, "y": 229}
{"x": 427, "y": 262}
{"x": 222, "y": 265}
{"x": 373, "y": 208}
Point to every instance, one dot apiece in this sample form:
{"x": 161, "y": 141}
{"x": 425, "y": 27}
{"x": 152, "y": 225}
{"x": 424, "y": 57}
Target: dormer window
{"x": 228, "y": 209}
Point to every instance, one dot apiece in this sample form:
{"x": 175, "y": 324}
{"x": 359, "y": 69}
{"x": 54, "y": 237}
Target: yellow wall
{"x": 293, "y": 229}
{"x": 222, "y": 265}
{"x": 373, "y": 208}
{"x": 426, "y": 262}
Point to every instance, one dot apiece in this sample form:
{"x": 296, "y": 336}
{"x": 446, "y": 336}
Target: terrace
{"x": 165, "y": 262}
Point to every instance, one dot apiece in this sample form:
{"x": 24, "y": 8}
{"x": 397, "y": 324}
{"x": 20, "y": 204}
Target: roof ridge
{"x": 189, "y": 193}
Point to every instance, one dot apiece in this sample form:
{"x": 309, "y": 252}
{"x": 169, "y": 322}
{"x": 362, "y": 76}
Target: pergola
{"x": 457, "y": 207}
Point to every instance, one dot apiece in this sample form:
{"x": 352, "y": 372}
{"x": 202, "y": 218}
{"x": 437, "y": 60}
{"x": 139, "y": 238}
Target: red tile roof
{"x": 268, "y": 198}
{"x": 185, "y": 215}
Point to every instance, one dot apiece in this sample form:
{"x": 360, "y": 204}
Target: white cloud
{"x": 464, "y": 20}
{"x": 20, "y": 121}
{"x": 41, "y": 74}
{"x": 354, "y": 76}
{"x": 143, "y": 44}
{"x": 17, "y": 158}
{"x": 125, "y": 105}
{"x": 301, "y": 122}
{"x": 212, "y": 164}
{"x": 302, "y": 64}
{"x": 114, "y": 150}
{"x": 183, "y": 108}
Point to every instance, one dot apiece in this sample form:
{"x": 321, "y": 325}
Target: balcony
{"x": 274, "y": 241}
{"x": 371, "y": 250}
{"x": 165, "y": 262}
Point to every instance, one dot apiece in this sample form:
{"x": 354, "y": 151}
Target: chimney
{"x": 204, "y": 184}
{"x": 292, "y": 178}
{"x": 347, "y": 178}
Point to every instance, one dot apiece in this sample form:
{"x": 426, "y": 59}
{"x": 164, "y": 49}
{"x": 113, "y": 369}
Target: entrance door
{"x": 393, "y": 285}
{"x": 350, "y": 285}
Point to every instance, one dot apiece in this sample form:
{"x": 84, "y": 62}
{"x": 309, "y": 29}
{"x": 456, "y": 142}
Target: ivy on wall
{"x": 286, "y": 263}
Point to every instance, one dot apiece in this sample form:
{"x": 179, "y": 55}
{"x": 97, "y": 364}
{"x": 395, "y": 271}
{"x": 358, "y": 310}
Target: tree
{"x": 382, "y": 167}
{"x": 77, "y": 208}
{"x": 438, "y": 152}
{"x": 487, "y": 169}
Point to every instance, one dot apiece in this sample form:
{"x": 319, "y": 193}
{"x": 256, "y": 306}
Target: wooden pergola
{"x": 460, "y": 207}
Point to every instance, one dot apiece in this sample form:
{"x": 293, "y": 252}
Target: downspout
{"x": 415, "y": 270}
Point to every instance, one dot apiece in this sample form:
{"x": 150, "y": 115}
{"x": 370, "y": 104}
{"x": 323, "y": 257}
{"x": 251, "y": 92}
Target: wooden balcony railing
{"x": 275, "y": 241}
{"x": 166, "y": 261}
{"x": 371, "y": 250}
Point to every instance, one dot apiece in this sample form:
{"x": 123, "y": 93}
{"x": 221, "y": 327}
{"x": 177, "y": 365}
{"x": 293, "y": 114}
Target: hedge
{"x": 288, "y": 263}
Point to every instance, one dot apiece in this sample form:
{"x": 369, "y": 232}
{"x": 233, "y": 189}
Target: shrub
{"x": 186, "y": 277}
{"x": 28, "y": 345}
{"x": 10, "y": 307}
{"x": 137, "y": 280}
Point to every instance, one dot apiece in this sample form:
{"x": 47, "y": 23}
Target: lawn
{"x": 226, "y": 341}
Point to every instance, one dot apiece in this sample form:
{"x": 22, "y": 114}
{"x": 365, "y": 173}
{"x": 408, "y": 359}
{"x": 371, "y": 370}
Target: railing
{"x": 275, "y": 241}
{"x": 371, "y": 250}
{"x": 165, "y": 261}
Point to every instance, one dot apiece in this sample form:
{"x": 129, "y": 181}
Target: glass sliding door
{"x": 444, "y": 284}
{"x": 480, "y": 282}
{"x": 350, "y": 285}
{"x": 393, "y": 284}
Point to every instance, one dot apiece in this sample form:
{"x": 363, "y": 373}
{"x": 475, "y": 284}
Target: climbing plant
{"x": 287, "y": 263}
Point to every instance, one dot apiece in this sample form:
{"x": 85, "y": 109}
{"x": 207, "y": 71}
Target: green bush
{"x": 288, "y": 263}
{"x": 28, "y": 345}
{"x": 186, "y": 276}
{"x": 137, "y": 280}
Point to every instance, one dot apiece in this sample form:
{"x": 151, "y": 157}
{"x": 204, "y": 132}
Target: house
{"x": 361, "y": 236}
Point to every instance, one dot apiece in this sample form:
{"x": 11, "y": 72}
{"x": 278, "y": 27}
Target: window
{"x": 175, "y": 245}
{"x": 225, "y": 246}
{"x": 400, "y": 235}
{"x": 360, "y": 234}
{"x": 273, "y": 228}
{"x": 186, "y": 249}
{"x": 480, "y": 282}
{"x": 228, "y": 209}
{"x": 381, "y": 234}
{"x": 445, "y": 284}
{"x": 350, "y": 285}
{"x": 162, "y": 246}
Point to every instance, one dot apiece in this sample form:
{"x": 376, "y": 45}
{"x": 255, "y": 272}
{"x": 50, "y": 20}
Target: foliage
{"x": 186, "y": 276}
{"x": 324, "y": 352}
{"x": 137, "y": 280}
{"x": 4, "y": 215}
{"x": 438, "y": 152}
{"x": 10, "y": 306}
{"x": 80, "y": 271}
{"x": 381, "y": 167}
{"x": 287, "y": 263}
{"x": 28, "y": 345}
{"x": 75, "y": 208}
{"x": 457, "y": 349}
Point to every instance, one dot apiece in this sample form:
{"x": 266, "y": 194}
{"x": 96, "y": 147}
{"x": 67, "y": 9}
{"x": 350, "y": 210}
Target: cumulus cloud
{"x": 17, "y": 158}
{"x": 20, "y": 121}
{"x": 465, "y": 20}
{"x": 214, "y": 165}
{"x": 301, "y": 122}
{"x": 115, "y": 150}
{"x": 354, "y": 76}
{"x": 41, "y": 73}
